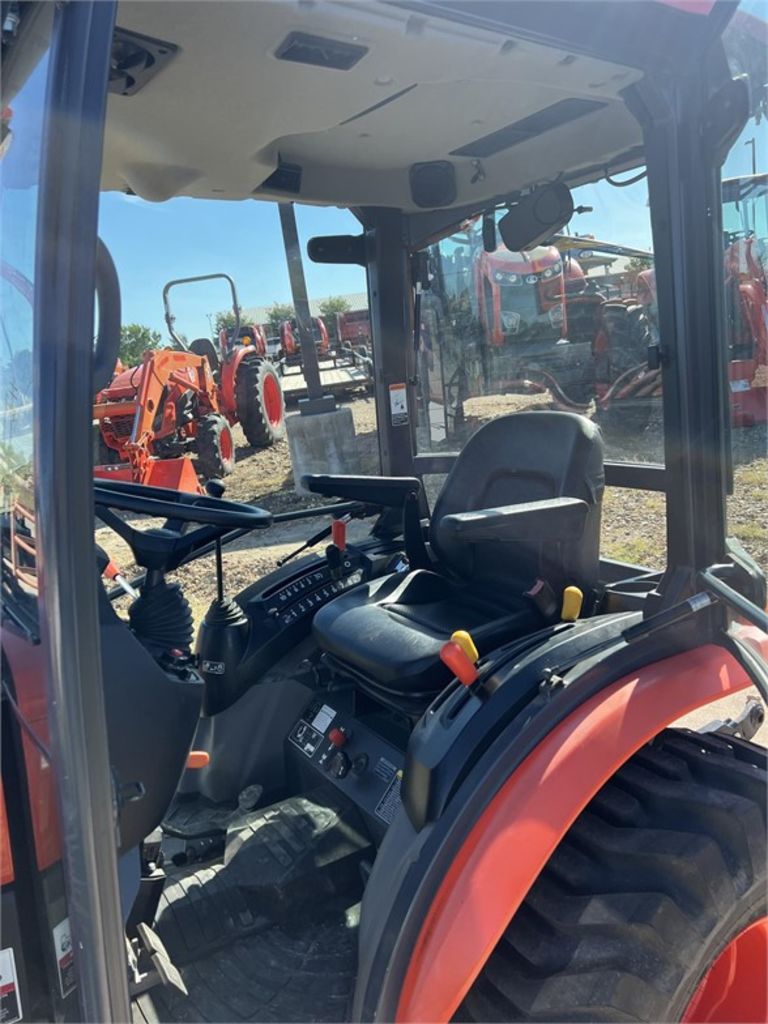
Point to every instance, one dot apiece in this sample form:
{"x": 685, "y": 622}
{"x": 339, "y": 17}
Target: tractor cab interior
{"x": 282, "y": 759}
{"x": 520, "y": 508}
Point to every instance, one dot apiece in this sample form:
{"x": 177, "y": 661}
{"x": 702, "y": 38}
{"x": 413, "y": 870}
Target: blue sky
{"x": 154, "y": 242}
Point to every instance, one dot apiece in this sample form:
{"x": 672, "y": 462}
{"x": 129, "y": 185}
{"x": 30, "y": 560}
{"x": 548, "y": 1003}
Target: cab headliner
{"x": 218, "y": 118}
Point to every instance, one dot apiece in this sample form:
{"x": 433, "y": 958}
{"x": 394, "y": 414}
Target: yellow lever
{"x": 572, "y": 602}
{"x": 466, "y": 643}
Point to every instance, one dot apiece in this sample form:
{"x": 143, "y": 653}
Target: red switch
{"x": 337, "y": 737}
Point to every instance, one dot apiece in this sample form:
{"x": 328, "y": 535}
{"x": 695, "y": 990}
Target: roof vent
{"x": 287, "y": 178}
{"x": 135, "y": 59}
{"x": 528, "y": 127}
{"x": 303, "y": 48}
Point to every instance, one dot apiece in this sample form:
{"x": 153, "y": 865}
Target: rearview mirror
{"x": 342, "y": 249}
{"x": 536, "y": 217}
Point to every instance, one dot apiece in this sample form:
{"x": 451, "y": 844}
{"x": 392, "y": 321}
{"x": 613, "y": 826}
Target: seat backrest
{"x": 526, "y": 456}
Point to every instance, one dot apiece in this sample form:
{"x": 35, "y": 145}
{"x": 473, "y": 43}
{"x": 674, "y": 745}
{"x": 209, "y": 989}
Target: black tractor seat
{"x": 521, "y": 503}
{"x": 390, "y": 631}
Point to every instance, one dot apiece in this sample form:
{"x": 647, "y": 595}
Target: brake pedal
{"x": 161, "y": 970}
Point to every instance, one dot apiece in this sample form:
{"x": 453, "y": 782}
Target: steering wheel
{"x": 164, "y": 548}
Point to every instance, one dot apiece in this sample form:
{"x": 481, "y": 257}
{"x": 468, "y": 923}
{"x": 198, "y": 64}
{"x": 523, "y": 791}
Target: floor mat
{"x": 203, "y": 910}
{"x": 275, "y": 975}
{"x": 266, "y": 935}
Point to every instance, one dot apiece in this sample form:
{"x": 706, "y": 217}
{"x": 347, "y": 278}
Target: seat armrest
{"x": 554, "y": 519}
{"x": 386, "y": 491}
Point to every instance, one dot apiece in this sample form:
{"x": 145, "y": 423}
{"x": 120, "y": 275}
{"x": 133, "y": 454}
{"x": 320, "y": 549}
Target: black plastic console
{"x": 329, "y": 744}
{"x": 278, "y": 613}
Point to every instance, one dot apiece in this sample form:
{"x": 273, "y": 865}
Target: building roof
{"x": 260, "y": 314}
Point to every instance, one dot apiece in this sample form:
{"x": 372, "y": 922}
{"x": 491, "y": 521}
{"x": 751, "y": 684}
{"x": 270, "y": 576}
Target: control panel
{"x": 280, "y": 614}
{"x": 328, "y": 742}
{"x": 301, "y": 597}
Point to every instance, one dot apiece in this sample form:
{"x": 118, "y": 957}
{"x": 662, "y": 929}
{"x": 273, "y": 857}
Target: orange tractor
{"x": 186, "y": 399}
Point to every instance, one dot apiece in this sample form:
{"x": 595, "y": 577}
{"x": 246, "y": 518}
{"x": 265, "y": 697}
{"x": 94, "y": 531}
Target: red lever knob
{"x": 455, "y": 658}
{"x": 339, "y": 534}
{"x": 337, "y": 737}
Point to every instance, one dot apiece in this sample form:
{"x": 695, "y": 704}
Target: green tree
{"x": 224, "y": 320}
{"x": 135, "y": 339}
{"x": 278, "y": 312}
{"x": 329, "y": 308}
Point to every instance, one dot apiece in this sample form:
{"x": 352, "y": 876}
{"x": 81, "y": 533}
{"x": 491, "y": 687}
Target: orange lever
{"x": 456, "y": 659}
{"x": 111, "y": 570}
{"x": 198, "y": 759}
{"x": 339, "y": 534}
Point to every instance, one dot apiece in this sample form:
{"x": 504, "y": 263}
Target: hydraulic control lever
{"x": 309, "y": 543}
{"x": 337, "y": 549}
{"x": 337, "y": 529}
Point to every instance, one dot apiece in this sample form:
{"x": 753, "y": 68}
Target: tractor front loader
{"x": 152, "y": 416}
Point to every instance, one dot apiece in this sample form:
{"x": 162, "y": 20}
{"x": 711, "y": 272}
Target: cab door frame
{"x": 65, "y": 263}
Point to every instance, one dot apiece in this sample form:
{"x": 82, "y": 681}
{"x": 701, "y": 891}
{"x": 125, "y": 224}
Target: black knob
{"x": 215, "y": 488}
{"x": 339, "y": 765}
{"x": 359, "y": 764}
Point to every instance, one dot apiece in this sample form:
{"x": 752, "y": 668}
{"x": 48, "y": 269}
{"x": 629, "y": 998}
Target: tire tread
{"x": 620, "y": 924}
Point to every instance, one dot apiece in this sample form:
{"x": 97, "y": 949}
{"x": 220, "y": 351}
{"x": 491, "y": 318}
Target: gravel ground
{"x": 633, "y": 521}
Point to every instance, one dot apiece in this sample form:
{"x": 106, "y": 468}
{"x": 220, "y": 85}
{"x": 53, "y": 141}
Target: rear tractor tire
{"x": 215, "y": 447}
{"x": 663, "y": 871}
{"x": 259, "y": 402}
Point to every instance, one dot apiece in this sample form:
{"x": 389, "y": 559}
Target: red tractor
{"x": 290, "y": 350}
{"x": 550, "y": 327}
{"x": 247, "y": 381}
{"x": 745, "y": 236}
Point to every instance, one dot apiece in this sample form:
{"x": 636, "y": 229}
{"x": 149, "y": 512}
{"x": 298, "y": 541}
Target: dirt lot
{"x": 633, "y": 521}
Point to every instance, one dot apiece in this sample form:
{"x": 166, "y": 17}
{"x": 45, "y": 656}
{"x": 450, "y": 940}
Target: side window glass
{"x": 20, "y": 153}
{"x": 745, "y": 264}
{"x": 565, "y": 325}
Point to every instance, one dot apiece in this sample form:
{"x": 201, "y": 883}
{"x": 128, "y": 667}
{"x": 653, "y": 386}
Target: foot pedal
{"x": 161, "y": 970}
{"x": 248, "y": 798}
{"x": 195, "y": 830}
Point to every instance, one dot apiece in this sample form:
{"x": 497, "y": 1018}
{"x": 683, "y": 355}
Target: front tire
{"x": 215, "y": 447}
{"x": 259, "y": 401}
{"x": 105, "y": 456}
{"x": 658, "y": 875}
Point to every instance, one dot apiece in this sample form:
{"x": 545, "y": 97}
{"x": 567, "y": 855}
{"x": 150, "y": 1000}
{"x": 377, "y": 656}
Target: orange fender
{"x": 521, "y": 826}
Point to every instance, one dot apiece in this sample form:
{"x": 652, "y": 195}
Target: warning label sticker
{"x": 323, "y": 718}
{"x": 10, "y": 999}
{"x": 398, "y": 404}
{"x": 390, "y": 802}
{"x": 65, "y": 957}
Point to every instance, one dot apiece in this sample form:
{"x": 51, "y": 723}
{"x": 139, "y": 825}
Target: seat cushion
{"x": 389, "y": 632}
